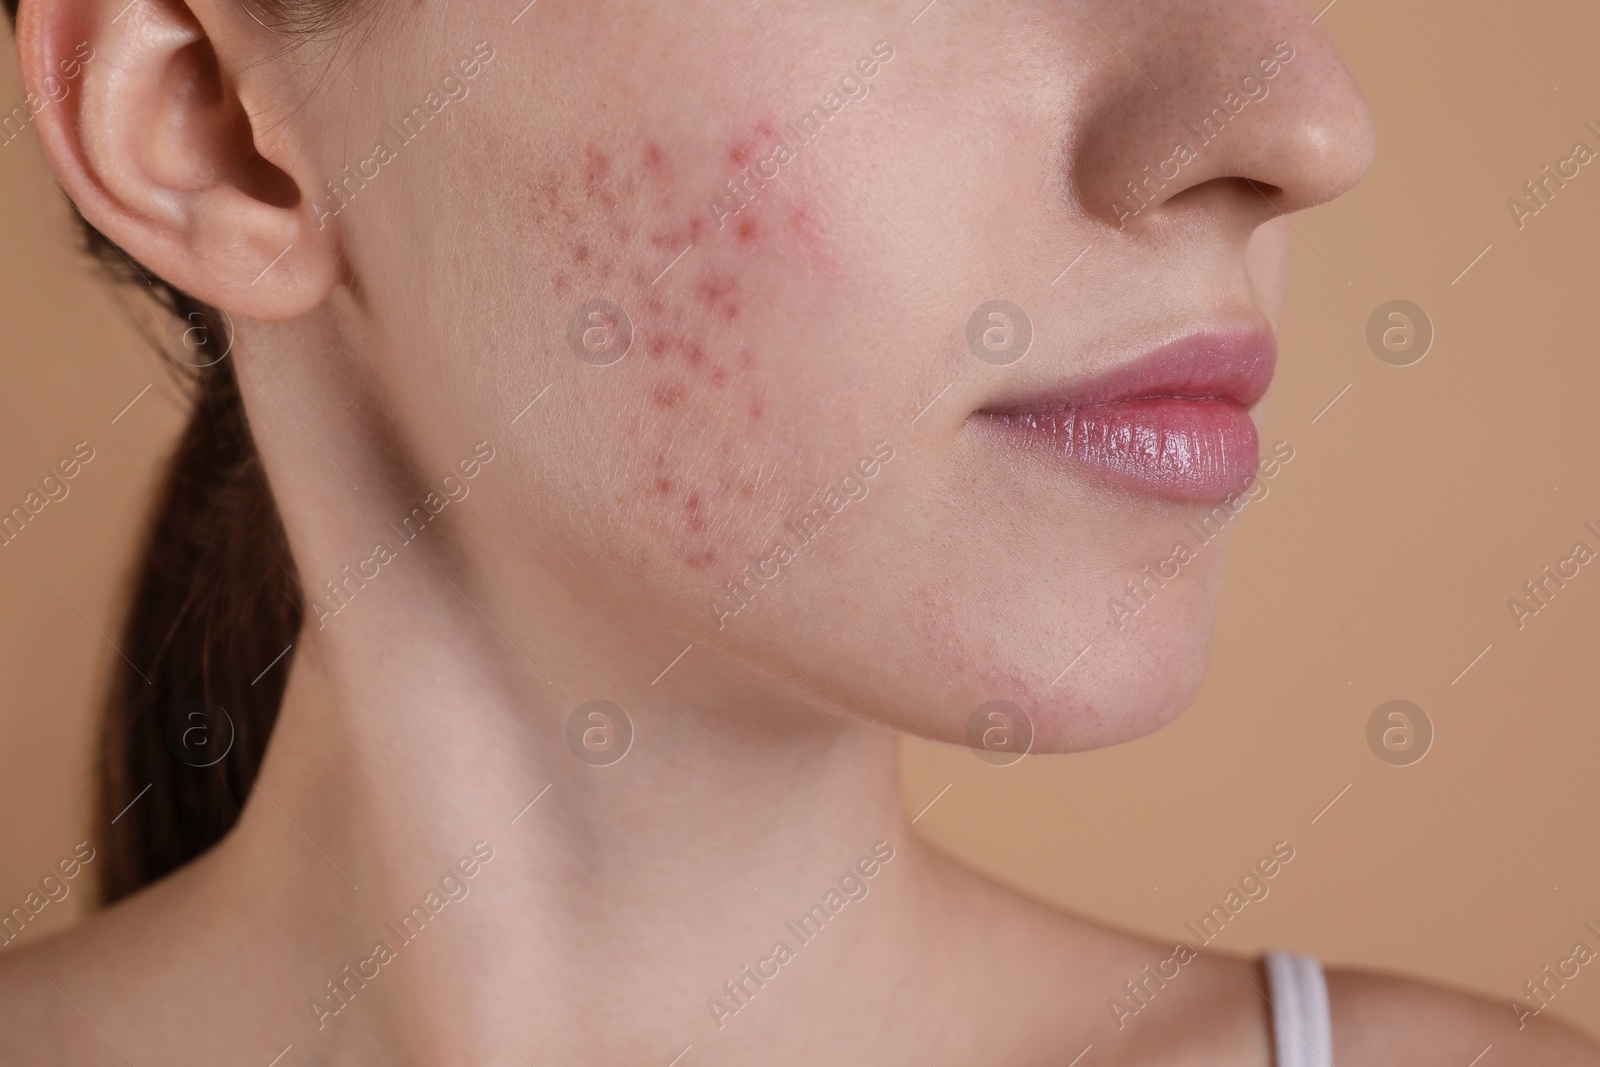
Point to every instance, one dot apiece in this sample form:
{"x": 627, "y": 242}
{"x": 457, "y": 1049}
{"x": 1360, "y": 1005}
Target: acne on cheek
{"x": 771, "y": 208}
{"x": 616, "y": 219}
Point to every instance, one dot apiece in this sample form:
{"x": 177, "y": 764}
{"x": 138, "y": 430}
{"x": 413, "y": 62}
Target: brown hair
{"x": 214, "y": 600}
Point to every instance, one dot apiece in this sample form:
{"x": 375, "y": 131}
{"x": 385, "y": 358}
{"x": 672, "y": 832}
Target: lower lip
{"x": 1182, "y": 449}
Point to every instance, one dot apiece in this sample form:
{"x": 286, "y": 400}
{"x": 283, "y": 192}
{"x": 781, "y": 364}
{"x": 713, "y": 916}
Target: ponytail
{"x": 215, "y": 601}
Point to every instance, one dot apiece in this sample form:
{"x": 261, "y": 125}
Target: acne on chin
{"x": 1120, "y": 686}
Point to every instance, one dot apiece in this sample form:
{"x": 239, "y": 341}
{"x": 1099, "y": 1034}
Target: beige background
{"x": 1416, "y": 506}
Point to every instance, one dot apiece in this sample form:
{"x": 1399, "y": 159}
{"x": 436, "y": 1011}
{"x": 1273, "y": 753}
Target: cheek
{"x": 709, "y": 251}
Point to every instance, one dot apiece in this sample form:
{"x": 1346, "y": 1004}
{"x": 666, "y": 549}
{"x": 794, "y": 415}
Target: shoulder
{"x": 39, "y": 1021}
{"x": 79, "y": 995}
{"x": 1385, "y": 1019}
{"x": 1069, "y": 980}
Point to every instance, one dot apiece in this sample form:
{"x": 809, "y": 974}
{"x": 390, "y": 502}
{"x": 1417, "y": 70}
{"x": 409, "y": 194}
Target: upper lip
{"x": 1212, "y": 365}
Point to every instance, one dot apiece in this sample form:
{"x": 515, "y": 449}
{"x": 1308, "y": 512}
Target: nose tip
{"x": 1318, "y": 151}
{"x": 1264, "y": 124}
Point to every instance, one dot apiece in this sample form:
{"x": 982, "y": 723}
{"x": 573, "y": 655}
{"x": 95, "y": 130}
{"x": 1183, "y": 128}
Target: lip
{"x": 1173, "y": 423}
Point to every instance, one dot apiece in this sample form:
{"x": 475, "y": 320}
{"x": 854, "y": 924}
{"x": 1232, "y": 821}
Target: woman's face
{"x": 744, "y": 256}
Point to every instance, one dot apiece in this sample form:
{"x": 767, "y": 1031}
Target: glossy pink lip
{"x": 1174, "y": 423}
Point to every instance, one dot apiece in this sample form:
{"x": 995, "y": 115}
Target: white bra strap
{"x": 1302, "y": 1030}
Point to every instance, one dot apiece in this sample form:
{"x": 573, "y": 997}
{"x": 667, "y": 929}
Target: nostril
{"x": 1257, "y": 200}
{"x": 1250, "y": 189}
{"x": 1274, "y": 195}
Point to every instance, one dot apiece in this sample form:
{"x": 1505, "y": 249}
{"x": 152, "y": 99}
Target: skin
{"x": 825, "y": 317}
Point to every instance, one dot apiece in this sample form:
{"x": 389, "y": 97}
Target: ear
{"x": 163, "y": 153}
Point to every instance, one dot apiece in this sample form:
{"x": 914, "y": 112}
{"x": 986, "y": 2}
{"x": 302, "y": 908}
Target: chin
{"x": 1132, "y": 680}
{"x": 1140, "y": 688}
{"x": 1123, "y": 691}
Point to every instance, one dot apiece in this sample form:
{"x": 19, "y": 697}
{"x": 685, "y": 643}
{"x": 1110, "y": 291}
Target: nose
{"x": 1241, "y": 107}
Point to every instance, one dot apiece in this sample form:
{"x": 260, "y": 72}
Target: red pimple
{"x": 714, "y": 290}
{"x": 663, "y": 486}
{"x": 596, "y": 168}
{"x": 657, "y": 347}
{"x": 747, "y": 231}
{"x": 667, "y": 395}
{"x": 581, "y": 253}
{"x": 695, "y": 355}
{"x": 806, "y": 229}
{"x": 692, "y": 506}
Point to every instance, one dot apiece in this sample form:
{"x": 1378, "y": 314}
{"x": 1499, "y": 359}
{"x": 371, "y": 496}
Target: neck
{"x": 422, "y": 811}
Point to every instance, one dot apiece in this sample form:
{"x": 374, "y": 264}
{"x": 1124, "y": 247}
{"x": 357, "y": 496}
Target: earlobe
{"x": 156, "y": 146}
